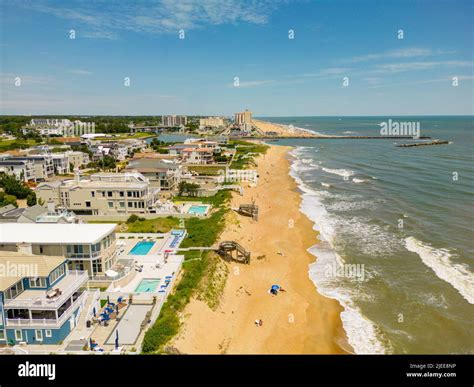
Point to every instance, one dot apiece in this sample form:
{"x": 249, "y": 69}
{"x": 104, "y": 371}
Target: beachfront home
{"x": 198, "y": 155}
{"x": 61, "y": 163}
{"x": 89, "y": 247}
{"x": 78, "y": 159}
{"x": 40, "y": 298}
{"x": 44, "y": 165}
{"x": 164, "y": 175}
{"x": 177, "y": 149}
{"x": 101, "y": 194}
{"x": 23, "y": 170}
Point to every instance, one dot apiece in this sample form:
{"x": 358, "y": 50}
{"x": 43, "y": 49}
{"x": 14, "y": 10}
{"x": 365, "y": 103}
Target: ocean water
{"x": 396, "y": 231}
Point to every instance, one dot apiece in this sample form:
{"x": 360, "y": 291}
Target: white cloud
{"x": 411, "y": 52}
{"x": 80, "y": 72}
{"x": 101, "y": 19}
{"x": 411, "y": 66}
{"x": 247, "y": 84}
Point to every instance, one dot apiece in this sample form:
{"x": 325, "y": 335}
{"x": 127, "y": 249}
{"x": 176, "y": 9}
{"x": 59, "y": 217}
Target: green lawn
{"x": 207, "y": 170}
{"x": 245, "y": 154}
{"x": 7, "y": 145}
{"x": 159, "y": 225}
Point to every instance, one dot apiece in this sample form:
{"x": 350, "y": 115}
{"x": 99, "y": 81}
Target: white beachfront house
{"x": 88, "y": 247}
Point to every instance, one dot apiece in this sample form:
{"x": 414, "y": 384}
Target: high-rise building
{"x": 243, "y": 118}
{"x": 174, "y": 120}
{"x": 211, "y": 122}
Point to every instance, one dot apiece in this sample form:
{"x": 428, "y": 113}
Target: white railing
{"x": 14, "y": 322}
{"x": 43, "y": 302}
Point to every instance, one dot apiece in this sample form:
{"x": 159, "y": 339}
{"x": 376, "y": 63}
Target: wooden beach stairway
{"x": 250, "y": 210}
{"x": 233, "y": 251}
{"x": 228, "y": 250}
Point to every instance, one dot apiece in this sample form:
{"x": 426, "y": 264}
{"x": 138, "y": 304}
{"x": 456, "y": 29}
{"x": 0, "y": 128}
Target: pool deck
{"x": 129, "y": 325}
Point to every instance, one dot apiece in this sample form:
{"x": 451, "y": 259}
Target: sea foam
{"x": 439, "y": 260}
{"x": 362, "y": 334}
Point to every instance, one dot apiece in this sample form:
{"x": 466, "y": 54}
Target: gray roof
{"x": 33, "y": 212}
{"x": 7, "y": 208}
{"x": 10, "y": 213}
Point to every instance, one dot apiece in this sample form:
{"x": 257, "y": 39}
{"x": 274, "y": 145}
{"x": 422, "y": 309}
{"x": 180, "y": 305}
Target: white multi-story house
{"x": 77, "y": 159}
{"x": 44, "y": 165}
{"x": 61, "y": 163}
{"x": 24, "y": 170}
{"x": 101, "y": 194}
{"x": 89, "y": 247}
{"x": 198, "y": 155}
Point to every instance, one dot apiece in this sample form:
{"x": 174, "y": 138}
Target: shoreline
{"x": 298, "y": 321}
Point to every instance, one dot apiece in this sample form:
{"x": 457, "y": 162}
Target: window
{"x": 56, "y": 273}
{"x": 18, "y": 335}
{"x": 41, "y": 249}
{"x": 103, "y": 194}
{"x": 111, "y": 204}
{"x": 39, "y": 334}
{"x": 88, "y": 204}
{"x": 15, "y": 290}
{"x": 130, "y": 204}
{"x": 122, "y": 204}
{"x": 39, "y": 282}
{"x": 93, "y": 194}
{"x": 48, "y": 333}
{"x": 129, "y": 194}
{"x": 97, "y": 266}
{"x": 95, "y": 248}
{"x": 3, "y": 336}
{"x": 122, "y": 194}
{"x": 109, "y": 194}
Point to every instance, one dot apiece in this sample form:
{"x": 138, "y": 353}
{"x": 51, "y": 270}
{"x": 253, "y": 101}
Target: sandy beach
{"x": 297, "y": 321}
{"x": 277, "y": 130}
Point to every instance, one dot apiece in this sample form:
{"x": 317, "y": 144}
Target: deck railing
{"x": 45, "y": 322}
{"x": 43, "y": 302}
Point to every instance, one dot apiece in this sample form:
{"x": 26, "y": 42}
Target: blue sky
{"x": 225, "y": 39}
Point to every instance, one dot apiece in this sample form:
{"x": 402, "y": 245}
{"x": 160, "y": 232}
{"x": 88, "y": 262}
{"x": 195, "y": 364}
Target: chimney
{"x": 77, "y": 175}
{"x": 51, "y": 206}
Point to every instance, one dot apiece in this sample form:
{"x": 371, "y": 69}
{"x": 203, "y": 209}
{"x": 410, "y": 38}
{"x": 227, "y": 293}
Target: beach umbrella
{"x": 116, "y": 339}
{"x": 275, "y": 287}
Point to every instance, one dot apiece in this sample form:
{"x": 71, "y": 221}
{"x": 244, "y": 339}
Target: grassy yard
{"x": 216, "y": 200}
{"x": 6, "y": 145}
{"x": 155, "y": 225}
{"x": 207, "y": 170}
{"x": 159, "y": 225}
{"x": 245, "y": 153}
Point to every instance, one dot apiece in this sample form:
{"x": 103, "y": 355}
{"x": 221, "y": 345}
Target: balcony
{"x": 47, "y": 323}
{"x": 37, "y": 299}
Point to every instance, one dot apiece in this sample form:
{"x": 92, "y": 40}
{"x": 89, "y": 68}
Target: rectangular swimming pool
{"x": 197, "y": 209}
{"x": 147, "y": 286}
{"x": 142, "y": 248}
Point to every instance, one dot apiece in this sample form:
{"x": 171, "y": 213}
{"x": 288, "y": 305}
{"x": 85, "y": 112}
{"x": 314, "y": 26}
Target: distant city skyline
{"x": 275, "y": 58}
